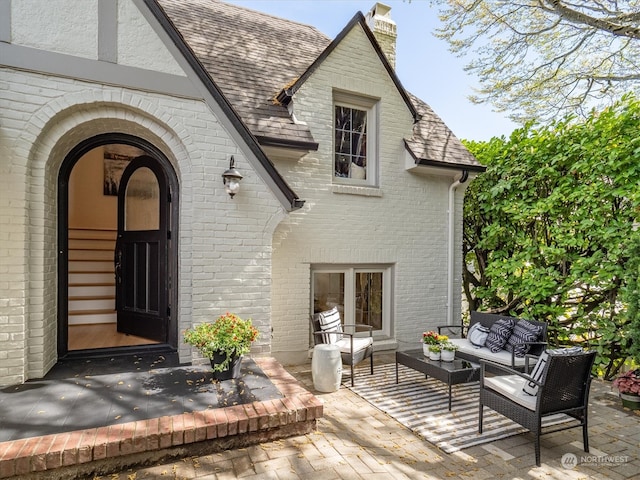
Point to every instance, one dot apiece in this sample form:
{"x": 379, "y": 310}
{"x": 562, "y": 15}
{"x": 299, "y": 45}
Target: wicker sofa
{"x": 473, "y": 353}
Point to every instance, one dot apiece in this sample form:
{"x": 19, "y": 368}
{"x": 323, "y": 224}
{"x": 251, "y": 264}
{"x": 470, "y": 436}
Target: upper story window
{"x": 355, "y": 149}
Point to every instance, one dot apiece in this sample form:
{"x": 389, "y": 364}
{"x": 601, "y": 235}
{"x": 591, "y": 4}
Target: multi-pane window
{"x": 355, "y": 124}
{"x": 362, "y": 295}
{"x": 350, "y": 143}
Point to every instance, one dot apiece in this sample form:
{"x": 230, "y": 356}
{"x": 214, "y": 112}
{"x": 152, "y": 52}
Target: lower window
{"x": 361, "y": 294}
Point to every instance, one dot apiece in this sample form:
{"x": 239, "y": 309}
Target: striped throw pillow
{"x": 524, "y": 331}
{"x": 499, "y": 334}
{"x": 330, "y": 322}
{"x": 531, "y": 388}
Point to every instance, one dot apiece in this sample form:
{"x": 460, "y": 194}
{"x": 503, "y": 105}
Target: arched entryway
{"x": 117, "y": 280}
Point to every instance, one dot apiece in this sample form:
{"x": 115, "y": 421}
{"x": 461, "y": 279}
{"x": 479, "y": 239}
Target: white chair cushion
{"x": 359, "y": 343}
{"x": 511, "y": 387}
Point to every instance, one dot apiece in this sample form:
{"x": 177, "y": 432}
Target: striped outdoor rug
{"x": 422, "y": 406}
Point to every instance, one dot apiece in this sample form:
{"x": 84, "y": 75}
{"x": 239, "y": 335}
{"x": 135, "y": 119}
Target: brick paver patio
{"x": 356, "y": 441}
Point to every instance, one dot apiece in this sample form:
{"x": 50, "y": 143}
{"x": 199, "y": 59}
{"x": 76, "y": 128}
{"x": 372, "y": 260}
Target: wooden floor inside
{"x": 102, "y": 335}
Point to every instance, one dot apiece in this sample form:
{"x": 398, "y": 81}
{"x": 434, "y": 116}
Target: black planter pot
{"x": 232, "y": 371}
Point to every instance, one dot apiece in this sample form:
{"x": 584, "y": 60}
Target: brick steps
{"x": 97, "y": 450}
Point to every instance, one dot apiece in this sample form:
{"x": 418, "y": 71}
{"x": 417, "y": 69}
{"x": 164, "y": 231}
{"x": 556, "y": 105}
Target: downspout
{"x": 459, "y": 180}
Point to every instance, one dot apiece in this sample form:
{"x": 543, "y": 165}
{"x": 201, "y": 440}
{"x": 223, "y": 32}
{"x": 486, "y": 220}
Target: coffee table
{"x": 451, "y": 373}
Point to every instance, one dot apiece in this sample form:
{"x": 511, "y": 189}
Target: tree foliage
{"x": 550, "y": 230}
{"x": 536, "y": 58}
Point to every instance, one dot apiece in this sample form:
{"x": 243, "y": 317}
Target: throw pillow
{"x": 531, "y": 388}
{"x": 477, "y": 335}
{"x": 330, "y": 322}
{"x": 499, "y": 334}
{"x": 524, "y": 331}
{"x": 565, "y": 351}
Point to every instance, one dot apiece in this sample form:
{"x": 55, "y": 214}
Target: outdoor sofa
{"x": 522, "y": 340}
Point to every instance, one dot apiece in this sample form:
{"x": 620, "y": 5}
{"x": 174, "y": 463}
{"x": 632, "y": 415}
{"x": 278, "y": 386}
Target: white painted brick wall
{"x": 70, "y": 27}
{"x": 225, "y": 251}
{"x": 225, "y": 257}
{"x": 405, "y": 226}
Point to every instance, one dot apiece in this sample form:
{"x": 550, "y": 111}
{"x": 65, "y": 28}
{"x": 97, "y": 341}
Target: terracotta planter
{"x": 630, "y": 401}
{"x": 233, "y": 370}
{"x": 448, "y": 355}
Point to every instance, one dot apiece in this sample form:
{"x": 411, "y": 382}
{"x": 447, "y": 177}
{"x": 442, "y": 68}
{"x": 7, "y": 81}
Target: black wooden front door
{"x": 141, "y": 254}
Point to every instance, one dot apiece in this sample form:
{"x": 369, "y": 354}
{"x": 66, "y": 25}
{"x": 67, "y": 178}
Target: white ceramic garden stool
{"x": 326, "y": 368}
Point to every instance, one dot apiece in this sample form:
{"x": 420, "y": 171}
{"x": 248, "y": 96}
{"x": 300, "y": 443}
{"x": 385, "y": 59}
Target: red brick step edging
{"x": 96, "y": 449}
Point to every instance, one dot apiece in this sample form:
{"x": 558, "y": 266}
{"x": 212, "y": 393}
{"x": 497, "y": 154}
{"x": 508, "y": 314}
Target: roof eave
{"x": 165, "y": 22}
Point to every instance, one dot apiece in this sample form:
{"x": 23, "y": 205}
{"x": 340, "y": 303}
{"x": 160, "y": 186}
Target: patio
{"x": 356, "y": 440}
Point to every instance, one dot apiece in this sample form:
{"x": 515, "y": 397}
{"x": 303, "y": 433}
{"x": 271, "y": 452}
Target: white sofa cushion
{"x": 503, "y": 357}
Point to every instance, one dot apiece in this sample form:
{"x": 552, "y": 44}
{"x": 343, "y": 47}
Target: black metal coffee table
{"x": 451, "y": 373}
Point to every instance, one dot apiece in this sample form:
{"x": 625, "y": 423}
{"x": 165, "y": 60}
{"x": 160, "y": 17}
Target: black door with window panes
{"x": 141, "y": 254}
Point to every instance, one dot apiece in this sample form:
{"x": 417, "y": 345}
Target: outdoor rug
{"x": 421, "y": 405}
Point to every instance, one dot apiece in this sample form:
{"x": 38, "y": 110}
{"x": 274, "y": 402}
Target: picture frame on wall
{"x": 116, "y": 159}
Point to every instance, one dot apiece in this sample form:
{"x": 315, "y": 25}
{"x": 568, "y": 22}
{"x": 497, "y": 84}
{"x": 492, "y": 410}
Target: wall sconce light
{"x": 231, "y": 178}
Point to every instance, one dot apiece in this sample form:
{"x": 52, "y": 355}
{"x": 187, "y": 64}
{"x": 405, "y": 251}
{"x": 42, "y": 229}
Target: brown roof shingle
{"x": 251, "y": 56}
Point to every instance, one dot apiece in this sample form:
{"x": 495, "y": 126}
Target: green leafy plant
{"x": 229, "y": 335}
{"x": 436, "y": 348}
{"x": 628, "y": 382}
{"x": 448, "y": 346}
{"x": 550, "y": 231}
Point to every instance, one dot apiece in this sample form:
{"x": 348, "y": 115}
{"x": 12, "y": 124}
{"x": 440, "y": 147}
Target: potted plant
{"x": 434, "y": 351}
{"x": 431, "y": 338}
{"x": 628, "y": 385}
{"x": 448, "y": 351}
{"x": 223, "y": 342}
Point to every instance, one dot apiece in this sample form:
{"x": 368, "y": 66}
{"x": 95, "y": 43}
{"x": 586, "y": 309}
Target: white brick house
{"x": 372, "y": 225}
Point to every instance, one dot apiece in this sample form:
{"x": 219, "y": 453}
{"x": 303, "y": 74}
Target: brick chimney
{"x": 384, "y": 29}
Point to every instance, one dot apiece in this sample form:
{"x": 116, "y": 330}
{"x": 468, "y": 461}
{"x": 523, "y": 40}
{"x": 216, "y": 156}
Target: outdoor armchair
{"x": 328, "y": 329}
{"x": 559, "y": 383}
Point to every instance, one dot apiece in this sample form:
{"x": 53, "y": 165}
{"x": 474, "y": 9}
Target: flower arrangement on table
{"x": 448, "y": 346}
{"x": 229, "y": 336}
{"x": 433, "y": 338}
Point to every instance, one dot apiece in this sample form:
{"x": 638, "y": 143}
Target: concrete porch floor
{"x": 90, "y": 418}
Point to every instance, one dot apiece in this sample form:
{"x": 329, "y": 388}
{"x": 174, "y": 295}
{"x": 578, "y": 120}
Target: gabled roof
{"x": 250, "y": 56}
{"x": 286, "y": 94}
{"x": 258, "y": 61}
{"x": 434, "y": 144}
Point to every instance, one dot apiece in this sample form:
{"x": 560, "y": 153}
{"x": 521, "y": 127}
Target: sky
{"x": 424, "y": 64}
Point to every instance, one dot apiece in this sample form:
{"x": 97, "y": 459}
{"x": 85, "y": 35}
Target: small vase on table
{"x": 448, "y": 355}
